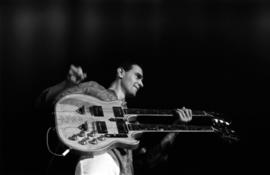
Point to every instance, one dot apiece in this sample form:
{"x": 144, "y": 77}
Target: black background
{"x": 206, "y": 55}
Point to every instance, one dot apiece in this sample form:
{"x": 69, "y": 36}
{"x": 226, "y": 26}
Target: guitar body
{"x": 88, "y": 124}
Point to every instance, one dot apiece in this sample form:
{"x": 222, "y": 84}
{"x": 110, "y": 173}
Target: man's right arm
{"x": 48, "y": 96}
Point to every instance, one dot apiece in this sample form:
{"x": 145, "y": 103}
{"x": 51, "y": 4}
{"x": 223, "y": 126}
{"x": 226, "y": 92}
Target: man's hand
{"x": 75, "y": 74}
{"x": 185, "y": 114}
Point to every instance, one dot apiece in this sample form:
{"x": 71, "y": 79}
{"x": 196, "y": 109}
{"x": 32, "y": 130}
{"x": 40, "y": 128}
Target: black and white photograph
{"x": 134, "y": 87}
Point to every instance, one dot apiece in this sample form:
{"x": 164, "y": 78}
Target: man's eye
{"x": 139, "y": 76}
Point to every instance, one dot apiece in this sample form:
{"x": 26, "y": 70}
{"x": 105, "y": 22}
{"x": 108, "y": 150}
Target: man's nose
{"x": 141, "y": 83}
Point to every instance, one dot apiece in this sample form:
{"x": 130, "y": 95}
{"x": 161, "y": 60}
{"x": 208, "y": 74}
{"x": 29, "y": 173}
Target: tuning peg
{"x": 221, "y": 121}
{"x": 216, "y": 120}
{"x": 227, "y": 123}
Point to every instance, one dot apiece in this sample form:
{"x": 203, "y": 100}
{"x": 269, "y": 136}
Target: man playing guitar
{"x": 128, "y": 80}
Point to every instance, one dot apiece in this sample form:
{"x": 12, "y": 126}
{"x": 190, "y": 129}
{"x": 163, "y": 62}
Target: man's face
{"x": 132, "y": 80}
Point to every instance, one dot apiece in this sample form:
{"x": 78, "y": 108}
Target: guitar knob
{"x": 83, "y": 142}
{"x": 81, "y": 134}
{"x": 94, "y": 141}
{"x": 91, "y": 134}
{"x": 74, "y": 137}
{"x": 101, "y": 138}
{"x": 84, "y": 126}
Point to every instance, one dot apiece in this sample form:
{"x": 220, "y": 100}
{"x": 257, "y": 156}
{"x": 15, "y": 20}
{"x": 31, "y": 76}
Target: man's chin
{"x": 135, "y": 93}
{"x": 132, "y": 94}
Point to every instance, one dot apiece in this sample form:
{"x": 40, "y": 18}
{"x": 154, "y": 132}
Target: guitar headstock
{"x": 223, "y": 128}
{"x": 217, "y": 122}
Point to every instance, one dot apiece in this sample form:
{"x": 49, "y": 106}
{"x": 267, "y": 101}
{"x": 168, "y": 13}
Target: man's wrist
{"x": 168, "y": 140}
{"x": 69, "y": 83}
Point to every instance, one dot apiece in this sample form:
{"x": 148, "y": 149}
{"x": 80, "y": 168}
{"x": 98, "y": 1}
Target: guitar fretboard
{"x": 168, "y": 128}
{"x": 168, "y": 112}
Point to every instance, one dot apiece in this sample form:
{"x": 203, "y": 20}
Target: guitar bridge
{"x": 116, "y": 135}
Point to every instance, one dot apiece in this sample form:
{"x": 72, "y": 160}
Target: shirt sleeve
{"x": 47, "y": 97}
{"x": 89, "y": 88}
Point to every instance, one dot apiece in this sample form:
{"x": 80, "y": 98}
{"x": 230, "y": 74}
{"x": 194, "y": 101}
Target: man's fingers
{"x": 77, "y": 71}
{"x": 184, "y": 114}
{"x": 76, "y": 74}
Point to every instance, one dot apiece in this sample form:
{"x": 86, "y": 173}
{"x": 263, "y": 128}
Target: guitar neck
{"x": 163, "y": 112}
{"x": 169, "y": 128}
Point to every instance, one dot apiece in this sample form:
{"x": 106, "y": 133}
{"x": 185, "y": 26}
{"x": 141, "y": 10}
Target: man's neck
{"x": 116, "y": 87}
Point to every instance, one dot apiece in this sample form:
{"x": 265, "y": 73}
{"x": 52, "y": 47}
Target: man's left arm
{"x": 184, "y": 115}
{"x": 151, "y": 157}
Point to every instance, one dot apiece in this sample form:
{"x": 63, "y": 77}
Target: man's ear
{"x": 120, "y": 72}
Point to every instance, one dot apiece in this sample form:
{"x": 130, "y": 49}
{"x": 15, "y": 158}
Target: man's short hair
{"x": 127, "y": 64}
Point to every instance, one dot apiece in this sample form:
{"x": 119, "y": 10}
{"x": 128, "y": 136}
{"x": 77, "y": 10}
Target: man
{"x": 128, "y": 80}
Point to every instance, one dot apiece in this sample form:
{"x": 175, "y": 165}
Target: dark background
{"x": 203, "y": 54}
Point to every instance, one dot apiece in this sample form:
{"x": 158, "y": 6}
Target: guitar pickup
{"x": 121, "y": 126}
{"x": 118, "y": 112}
{"x": 101, "y": 127}
{"x": 96, "y": 111}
